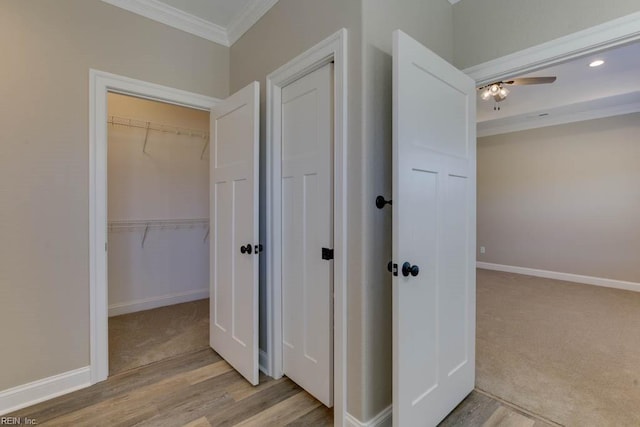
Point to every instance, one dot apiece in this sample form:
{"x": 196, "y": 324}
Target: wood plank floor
{"x": 202, "y": 390}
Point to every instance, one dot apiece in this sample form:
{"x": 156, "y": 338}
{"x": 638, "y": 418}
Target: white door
{"x": 307, "y": 228}
{"x": 234, "y": 230}
{"x": 434, "y": 187}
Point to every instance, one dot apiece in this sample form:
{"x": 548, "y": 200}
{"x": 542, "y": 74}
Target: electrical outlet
{"x": 482, "y": 250}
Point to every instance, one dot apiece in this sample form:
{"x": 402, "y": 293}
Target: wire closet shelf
{"x": 159, "y": 127}
{"x": 158, "y": 224}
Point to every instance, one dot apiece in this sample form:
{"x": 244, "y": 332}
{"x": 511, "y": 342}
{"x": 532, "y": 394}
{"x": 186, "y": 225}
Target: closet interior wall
{"x": 158, "y": 204}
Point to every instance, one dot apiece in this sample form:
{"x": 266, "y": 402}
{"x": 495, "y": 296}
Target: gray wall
{"x": 47, "y": 49}
{"x": 429, "y": 22}
{"x": 563, "y": 198}
{"x": 489, "y": 29}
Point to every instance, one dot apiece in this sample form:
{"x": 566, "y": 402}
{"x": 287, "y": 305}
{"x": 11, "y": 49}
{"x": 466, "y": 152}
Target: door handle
{"x": 246, "y": 249}
{"x": 381, "y": 202}
{"x": 408, "y": 269}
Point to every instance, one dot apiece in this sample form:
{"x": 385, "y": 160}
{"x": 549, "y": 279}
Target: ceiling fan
{"x": 499, "y": 92}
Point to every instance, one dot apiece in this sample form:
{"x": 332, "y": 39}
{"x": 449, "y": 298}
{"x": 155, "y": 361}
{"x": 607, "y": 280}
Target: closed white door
{"x": 234, "y": 230}
{"x": 307, "y": 232}
{"x": 434, "y": 187}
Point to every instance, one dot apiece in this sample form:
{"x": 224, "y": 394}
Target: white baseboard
{"x": 38, "y": 391}
{"x": 263, "y": 362}
{"x": 155, "y": 302}
{"x": 568, "y": 277}
{"x": 383, "y": 419}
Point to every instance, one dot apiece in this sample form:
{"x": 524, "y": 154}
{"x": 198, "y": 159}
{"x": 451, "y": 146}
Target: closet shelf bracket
{"x": 206, "y": 144}
{"x": 144, "y": 236}
{"x": 146, "y": 137}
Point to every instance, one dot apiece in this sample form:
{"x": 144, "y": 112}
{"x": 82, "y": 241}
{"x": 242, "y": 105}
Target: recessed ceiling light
{"x": 596, "y": 63}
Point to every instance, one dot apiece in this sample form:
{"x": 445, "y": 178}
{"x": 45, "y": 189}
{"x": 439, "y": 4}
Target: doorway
{"x": 101, "y": 84}
{"x": 560, "y": 166}
{"x": 158, "y": 228}
{"x": 330, "y": 53}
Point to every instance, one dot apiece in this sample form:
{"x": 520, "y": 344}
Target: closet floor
{"x": 138, "y": 339}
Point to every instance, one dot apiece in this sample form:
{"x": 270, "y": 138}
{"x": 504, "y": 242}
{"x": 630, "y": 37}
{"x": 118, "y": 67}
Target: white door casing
{"x": 307, "y": 227}
{"x": 332, "y": 49}
{"x": 234, "y": 230}
{"x": 434, "y": 229}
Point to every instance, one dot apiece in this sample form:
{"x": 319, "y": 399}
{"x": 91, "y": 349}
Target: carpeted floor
{"x": 141, "y": 338}
{"x": 567, "y": 352}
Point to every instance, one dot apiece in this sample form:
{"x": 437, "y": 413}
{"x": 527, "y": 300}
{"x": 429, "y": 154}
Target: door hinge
{"x": 393, "y": 268}
{"x": 327, "y": 253}
{"x": 105, "y": 246}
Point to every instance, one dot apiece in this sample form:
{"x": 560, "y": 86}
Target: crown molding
{"x": 254, "y": 10}
{"x": 590, "y": 110}
{"x": 176, "y": 18}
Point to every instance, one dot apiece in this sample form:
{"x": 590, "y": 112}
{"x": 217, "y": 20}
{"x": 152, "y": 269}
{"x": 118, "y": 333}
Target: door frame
{"x": 100, "y": 83}
{"x": 334, "y": 48}
{"x": 591, "y": 40}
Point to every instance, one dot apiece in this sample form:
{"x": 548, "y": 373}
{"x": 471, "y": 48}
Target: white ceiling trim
{"x": 176, "y": 18}
{"x": 597, "y": 109}
{"x": 249, "y": 16}
{"x": 453, "y": 1}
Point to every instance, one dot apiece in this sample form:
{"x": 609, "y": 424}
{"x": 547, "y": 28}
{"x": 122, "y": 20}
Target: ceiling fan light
{"x": 485, "y": 95}
{"x": 494, "y": 89}
{"x": 503, "y": 92}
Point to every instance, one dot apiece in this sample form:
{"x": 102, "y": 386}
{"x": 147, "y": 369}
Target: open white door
{"x": 434, "y": 226}
{"x": 234, "y": 230}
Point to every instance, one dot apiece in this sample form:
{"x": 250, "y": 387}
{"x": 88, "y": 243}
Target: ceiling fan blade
{"x": 531, "y": 81}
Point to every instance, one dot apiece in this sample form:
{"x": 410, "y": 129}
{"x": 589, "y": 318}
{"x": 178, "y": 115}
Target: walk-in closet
{"x": 158, "y": 231}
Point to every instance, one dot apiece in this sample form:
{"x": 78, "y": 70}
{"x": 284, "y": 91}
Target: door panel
{"x": 234, "y": 224}
{"x": 307, "y": 215}
{"x": 434, "y": 229}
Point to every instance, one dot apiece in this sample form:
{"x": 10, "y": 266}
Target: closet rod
{"x": 158, "y": 127}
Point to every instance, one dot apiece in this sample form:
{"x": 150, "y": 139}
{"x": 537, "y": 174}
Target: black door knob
{"x": 246, "y": 249}
{"x": 408, "y": 269}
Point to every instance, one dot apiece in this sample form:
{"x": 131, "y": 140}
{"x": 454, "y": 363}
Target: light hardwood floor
{"x": 201, "y": 390}
{"x": 197, "y": 389}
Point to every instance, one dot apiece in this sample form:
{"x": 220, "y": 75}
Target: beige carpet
{"x": 141, "y": 338}
{"x": 564, "y": 351}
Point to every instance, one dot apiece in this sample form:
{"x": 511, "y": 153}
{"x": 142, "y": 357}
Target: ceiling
{"x": 579, "y": 93}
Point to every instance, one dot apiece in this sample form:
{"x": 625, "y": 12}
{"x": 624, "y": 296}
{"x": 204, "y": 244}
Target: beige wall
{"x": 489, "y": 29}
{"x": 563, "y": 198}
{"x": 289, "y": 29}
{"x": 429, "y": 22}
{"x": 47, "y": 49}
